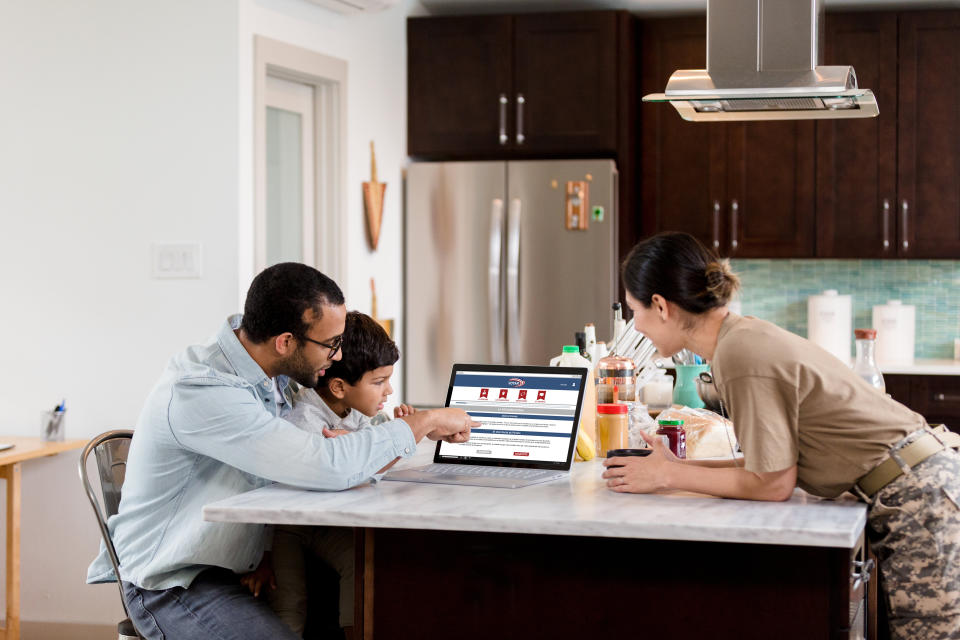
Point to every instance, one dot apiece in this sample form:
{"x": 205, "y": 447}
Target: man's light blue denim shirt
{"x": 210, "y": 430}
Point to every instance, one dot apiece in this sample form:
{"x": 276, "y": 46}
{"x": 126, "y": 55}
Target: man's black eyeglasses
{"x": 334, "y": 344}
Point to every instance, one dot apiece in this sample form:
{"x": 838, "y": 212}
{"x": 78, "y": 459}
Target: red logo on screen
{"x": 516, "y": 382}
{"x": 484, "y": 393}
{"x": 522, "y": 394}
{"x": 521, "y": 453}
{"x": 503, "y": 394}
{"x": 542, "y": 394}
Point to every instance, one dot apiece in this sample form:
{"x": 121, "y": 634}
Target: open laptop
{"x": 529, "y": 417}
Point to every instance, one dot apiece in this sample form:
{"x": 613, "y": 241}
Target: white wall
{"x": 374, "y": 46}
{"x": 123, "y": 124}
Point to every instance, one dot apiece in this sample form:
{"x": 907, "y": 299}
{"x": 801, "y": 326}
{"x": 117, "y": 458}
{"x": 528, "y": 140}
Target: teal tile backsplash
{"x": 777, "y": 290}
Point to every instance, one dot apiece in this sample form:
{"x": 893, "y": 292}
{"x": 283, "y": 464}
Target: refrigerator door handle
{"x": 494, "y": 287}
{"x": 513, "y": 280}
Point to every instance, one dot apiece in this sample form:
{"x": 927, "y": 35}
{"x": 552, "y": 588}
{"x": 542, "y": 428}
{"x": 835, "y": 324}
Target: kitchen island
{"x": 570, "y": 558}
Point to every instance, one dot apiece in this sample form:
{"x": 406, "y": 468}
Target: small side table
{"x": 23, "y": 449}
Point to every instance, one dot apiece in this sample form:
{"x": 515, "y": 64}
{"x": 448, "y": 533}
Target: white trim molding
{"x": 328, "y": 77}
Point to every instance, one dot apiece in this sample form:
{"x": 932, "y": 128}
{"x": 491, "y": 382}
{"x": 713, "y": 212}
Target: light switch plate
{"x": 177, "y": 260}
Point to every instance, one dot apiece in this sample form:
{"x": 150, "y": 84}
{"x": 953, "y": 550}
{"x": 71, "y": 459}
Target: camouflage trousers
{"x": 914, "y": 529}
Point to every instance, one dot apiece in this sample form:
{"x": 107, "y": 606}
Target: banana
{"x": 585, "y": 446}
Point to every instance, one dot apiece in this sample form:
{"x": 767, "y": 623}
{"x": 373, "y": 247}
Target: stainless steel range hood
{"x": 763, "y": 63}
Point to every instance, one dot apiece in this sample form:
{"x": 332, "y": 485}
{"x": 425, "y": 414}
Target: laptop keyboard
{"x": 486, "y": 472}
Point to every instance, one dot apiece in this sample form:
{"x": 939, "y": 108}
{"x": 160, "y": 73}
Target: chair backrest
{"x": 111, "y": 449}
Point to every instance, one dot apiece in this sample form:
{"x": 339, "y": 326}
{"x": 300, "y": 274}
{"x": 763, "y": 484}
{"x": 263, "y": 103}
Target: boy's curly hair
{"x": 366, "y": 346}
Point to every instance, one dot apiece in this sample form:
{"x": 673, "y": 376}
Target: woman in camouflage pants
{"x": 914, "y": 530}
{"x": 802, "y": 418}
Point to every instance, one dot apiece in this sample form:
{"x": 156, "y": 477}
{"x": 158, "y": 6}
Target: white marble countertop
{"x": 579, "y": 505}
{"x": 925, "y": 366}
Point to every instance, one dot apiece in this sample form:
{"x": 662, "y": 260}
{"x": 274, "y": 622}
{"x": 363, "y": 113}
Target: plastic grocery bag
{"x": 708, "y": 434}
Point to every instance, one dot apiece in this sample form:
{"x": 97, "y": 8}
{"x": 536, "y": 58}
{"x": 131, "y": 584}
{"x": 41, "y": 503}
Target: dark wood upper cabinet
{"x": 682, "y": 164}
{"x": 744, "y": 189}
{"x": 857, "y": 159}
{"x": 563, "y": 85}
{"x": 515, "y": 86}
{"x": 884, "y": 187}
{"x": 565, "y": 72}
{"x": 770, "y": 189}
{"x": 928, "y": 207}
{"x": 459, "y": 71}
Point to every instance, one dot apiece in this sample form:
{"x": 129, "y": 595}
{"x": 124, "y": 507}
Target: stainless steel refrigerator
{"x": 503, "y": 262}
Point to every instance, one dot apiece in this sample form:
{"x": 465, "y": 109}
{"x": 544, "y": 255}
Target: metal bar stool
{"x": 111, "y": 449}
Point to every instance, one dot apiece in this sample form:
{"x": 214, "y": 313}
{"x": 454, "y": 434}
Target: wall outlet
{"x": 177, "y": 260}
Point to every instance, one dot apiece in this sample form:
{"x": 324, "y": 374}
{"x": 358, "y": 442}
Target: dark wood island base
{"x": 484, "y": 585}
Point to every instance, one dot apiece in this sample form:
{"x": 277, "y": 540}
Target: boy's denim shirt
{"x": 210, "y": 430}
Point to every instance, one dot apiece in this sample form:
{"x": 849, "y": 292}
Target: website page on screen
{"x": 522, "y": 417}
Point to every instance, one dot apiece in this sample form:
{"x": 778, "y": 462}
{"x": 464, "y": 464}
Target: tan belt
{"x": 929, "y": 443}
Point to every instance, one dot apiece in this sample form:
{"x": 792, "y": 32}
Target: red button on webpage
{"x": 521, "y": 453}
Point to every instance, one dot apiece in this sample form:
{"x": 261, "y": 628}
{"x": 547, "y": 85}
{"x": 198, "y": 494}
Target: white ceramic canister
{"x": 830, "y": 322}
{"x": 896, "y": 324}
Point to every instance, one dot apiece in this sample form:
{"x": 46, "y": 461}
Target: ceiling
{"x": 643, "y": 7}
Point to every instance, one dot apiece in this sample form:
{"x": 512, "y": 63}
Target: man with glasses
{"x": 213, "y": 427}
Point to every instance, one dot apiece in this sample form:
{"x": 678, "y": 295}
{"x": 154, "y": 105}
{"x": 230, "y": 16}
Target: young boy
{"x": 349, "y": 397}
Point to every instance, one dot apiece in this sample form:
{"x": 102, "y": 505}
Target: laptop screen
{"x": 528, "y": 415}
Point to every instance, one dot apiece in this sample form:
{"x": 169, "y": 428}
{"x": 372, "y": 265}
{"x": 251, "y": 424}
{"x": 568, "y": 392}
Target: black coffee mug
{"x": 622, "y": 453}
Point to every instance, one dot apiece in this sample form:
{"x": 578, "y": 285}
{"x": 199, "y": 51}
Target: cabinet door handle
{"x": 716, "y": 225}
{"x": 734, "y": 213}
{"x": 886, "y": 224}
{"x": 904, "y": 214}
{"x": 520, "y": 103}
{"x": 946, "y": 397}
{"x": 503, "y": 119}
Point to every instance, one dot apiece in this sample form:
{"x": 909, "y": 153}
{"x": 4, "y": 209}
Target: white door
{"x": 287, "y": 233}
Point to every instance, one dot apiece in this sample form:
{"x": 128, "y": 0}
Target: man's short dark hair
{"x": 366, "y": 346}
{"x": 279, "y": 296}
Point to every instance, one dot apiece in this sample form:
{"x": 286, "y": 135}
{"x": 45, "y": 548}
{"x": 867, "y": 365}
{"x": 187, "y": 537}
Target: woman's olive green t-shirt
{"x": 792, "y": 402}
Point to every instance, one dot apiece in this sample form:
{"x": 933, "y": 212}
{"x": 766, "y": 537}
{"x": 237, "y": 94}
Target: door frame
{"x": 328, "y": 77}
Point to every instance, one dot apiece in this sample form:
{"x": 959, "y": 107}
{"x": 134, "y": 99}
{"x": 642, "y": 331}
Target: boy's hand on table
{"x": 403, "y": 410}
{"x": 260, "y": 577}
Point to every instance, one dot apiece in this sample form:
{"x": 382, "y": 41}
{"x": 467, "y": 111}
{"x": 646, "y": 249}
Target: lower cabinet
{"x": 936, "y": 398}
{"x": 555, "y": 586}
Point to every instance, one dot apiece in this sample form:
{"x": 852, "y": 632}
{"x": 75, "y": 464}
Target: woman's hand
{"x": 640, "y": 474}
{"x": 403, "y": 410}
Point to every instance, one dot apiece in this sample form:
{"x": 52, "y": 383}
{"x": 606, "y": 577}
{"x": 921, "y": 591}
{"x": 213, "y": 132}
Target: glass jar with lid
{"x": 612, "y": 428}
{"x": 616, "y": 371}
{"x": 676, "y": 436}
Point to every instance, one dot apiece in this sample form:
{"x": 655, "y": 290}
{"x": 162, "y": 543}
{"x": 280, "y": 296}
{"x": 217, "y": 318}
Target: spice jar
{"x": 612, "y": 428}
{"x": 616, "y": 371}
{"x": 676, "y": 436}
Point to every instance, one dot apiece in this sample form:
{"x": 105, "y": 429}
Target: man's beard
{"x": 299, "y": 369}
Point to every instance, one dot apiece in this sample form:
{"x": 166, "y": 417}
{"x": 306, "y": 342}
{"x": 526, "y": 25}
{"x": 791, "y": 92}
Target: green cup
{"x": 685, "y": 389}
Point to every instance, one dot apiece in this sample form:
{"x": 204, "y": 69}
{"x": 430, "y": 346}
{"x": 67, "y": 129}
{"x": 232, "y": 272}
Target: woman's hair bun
{"x": 722, "y": 282}
{"x": 677, "y": 266}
